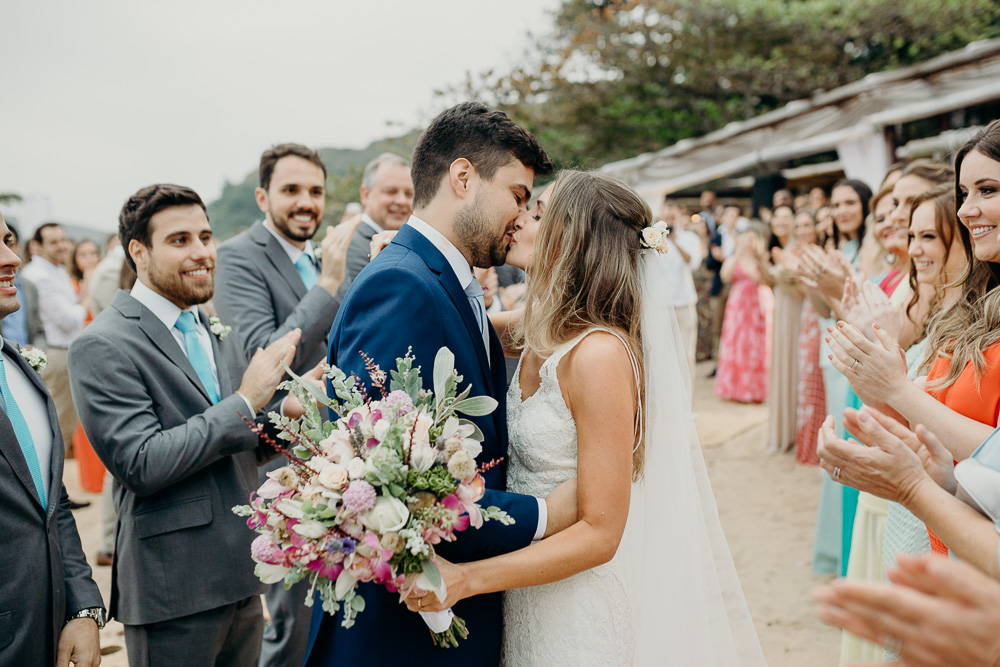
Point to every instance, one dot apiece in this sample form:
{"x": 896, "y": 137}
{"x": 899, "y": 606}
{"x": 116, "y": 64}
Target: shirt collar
{"x": 455, "y": 258}
{"x": 290, "y": 250}
{"x": 365, "y": 218}
{"x": 165, "y": 311}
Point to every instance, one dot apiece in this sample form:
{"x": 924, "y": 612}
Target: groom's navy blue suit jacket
{"x": 409, "y": 296}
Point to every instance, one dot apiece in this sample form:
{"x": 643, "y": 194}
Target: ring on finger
{"x": 854, "y": 365}
{"x": 836, "y": 472}
{"x": 892, "y": 643}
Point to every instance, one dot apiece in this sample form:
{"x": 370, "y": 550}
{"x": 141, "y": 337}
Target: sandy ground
{"x": 767, "y": 505}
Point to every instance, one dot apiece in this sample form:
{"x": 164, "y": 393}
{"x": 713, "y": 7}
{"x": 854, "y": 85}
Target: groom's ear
{"x": 461, "y": 176}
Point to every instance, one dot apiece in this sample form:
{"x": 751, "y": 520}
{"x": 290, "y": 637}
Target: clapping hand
{"x": 265, "y": 370}
{"x": 865, "y": 304}
{"x": 379, "y": 242}
{"x": 334, "y": 254}
{"x": 292, "y": 408}
{"x": 875, "y": 368}
{"x": 885, "y": 465}
{"x": 938, "y": 612}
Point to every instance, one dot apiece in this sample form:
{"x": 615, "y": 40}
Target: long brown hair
{"x": 585, "y": 272}
{"x": 971, "y": 325}
{"x": 946, "y": 226}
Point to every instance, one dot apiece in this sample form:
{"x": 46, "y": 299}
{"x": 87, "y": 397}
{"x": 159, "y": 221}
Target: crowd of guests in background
{"x": 873, "y": 317}
{"x": 855, "y": 314}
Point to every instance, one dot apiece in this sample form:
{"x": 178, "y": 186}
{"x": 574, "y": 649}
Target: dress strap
{"x": 550, "y": 365}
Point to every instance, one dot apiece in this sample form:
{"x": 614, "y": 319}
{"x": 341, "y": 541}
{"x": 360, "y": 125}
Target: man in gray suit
{"x": 50, "y": 607}
{"x": 269, "y": 282}
{"x": 387, "y": 197}
{"x": 154, "y": 378}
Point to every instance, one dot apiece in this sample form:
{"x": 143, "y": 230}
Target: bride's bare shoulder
{"x": 599, "y": 362}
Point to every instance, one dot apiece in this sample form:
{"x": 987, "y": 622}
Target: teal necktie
{"x": 22, "y": 433}
{"x": 196, "y": 353}
{"x": 307, "y": 270}
{"x": 478, "y": 302}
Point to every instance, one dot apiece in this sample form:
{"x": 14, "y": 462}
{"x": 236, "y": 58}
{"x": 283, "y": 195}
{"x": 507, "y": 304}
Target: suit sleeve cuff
{"x": 247, "y": 401}
{"x": 543, "y": 519}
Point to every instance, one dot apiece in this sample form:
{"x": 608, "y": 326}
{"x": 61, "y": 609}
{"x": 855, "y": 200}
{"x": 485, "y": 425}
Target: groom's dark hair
{"x": 485, "y": 137}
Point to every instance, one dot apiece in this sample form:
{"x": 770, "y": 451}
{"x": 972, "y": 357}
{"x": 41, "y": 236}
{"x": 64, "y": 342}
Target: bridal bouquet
{"x": 366, "y": 497}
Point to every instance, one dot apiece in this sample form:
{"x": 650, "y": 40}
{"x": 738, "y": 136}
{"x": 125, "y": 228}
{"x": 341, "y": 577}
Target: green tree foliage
{"x": 621, "y": 77}
{"x": 10, "y": 198}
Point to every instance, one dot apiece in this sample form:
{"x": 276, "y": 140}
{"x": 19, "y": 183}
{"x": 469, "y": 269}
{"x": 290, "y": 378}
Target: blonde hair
{"x": 966, "y": 329}
{"x": 585, "y": 273}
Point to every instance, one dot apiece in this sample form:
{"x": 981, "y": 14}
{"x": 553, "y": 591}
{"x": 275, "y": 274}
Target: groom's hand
{"x": 562, "y": 508}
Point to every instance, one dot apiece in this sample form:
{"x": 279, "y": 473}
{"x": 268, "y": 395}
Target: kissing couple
{"x": 616, "y": 556}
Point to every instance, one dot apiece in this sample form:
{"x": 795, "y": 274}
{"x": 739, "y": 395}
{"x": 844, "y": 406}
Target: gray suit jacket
{"x": 181, "y": 463}
{"x": 46, "y": 578}
{"x": 259, "y": 293}
{"x": 357, "y": 256}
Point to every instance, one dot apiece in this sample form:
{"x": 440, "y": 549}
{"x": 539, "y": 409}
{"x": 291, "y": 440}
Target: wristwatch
{"x": 95, "y": 613}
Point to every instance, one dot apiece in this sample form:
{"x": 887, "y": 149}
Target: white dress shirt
{"x": 58, "y": 303}
{"x": 679, "y": 290}
{"x": 293, "y": 252}
{"x": 365, "y": 218}
{"x": 464, "y": 273}
{"x": 168, "y": 312}
{"x": 35, "y": 412}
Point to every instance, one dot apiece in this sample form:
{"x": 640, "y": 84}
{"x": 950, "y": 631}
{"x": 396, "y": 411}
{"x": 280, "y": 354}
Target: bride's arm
{"x": 600, "y": 391}
{"x": 504, "y": 322}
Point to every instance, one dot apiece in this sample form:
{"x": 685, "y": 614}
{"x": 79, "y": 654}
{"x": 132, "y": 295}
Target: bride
{"x": 602, "y": 394}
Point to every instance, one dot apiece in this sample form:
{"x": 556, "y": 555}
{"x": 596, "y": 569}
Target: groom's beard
{"x": 477, "y": 231}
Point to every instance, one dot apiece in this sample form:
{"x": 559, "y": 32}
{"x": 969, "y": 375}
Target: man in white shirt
{"x": 164, "y": 398}
{"x": 387, "y": 197}
{"x": 684, "y": 255}
{"x": 63, "y": 315}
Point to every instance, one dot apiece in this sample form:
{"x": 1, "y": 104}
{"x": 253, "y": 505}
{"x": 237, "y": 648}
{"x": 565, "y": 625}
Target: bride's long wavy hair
{"x": 585, "y": 273}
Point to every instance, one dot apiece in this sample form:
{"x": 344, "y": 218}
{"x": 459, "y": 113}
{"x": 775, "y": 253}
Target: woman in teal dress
{"x": 823, "y": 274}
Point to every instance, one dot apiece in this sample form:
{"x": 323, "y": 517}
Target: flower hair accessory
{"x": 655, "y": 237}
{"x": 219, "y": 329}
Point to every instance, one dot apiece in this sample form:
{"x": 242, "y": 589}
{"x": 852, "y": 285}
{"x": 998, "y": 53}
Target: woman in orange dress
{"x": 960, "y": 400}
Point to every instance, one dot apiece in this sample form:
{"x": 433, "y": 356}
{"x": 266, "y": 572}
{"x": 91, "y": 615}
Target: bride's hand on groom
{"x": 455, "y": 583}
{"x": 562, "y": 509}
{"x": 379, "y": 242}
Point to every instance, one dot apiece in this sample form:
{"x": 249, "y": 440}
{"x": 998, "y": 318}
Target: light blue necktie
{"x": 196, "y": 353}
{"x": 22, "y": 433}
{"x": 307, "y": 270}
{"x": 478, "y": 302}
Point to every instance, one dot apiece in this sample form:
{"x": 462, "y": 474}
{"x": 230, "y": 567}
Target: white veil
{"x": 687, "y": 604}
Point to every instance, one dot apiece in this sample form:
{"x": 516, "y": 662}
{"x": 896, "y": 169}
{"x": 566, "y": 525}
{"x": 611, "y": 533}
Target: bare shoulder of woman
{"x": 598, "y": 371}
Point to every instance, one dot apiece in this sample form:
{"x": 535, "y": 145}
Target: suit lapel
{"x": 221, "y": 363}
{"x": 9, "y": 445}
{"x": 278, "y": 258}
{"x": 167, "y": 344}
{"x": 437, "y": 263}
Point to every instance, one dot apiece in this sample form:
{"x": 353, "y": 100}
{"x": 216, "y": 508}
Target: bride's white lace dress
{"x": 582, "y": 620}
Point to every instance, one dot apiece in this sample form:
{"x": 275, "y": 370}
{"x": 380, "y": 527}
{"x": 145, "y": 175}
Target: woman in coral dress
{"x": 742, "y": 371}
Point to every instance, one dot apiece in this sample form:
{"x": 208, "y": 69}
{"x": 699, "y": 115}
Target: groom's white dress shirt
{"x": 460, "y": 265}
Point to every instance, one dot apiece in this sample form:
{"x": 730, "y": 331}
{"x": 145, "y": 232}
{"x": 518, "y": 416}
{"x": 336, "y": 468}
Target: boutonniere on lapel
{"x": 217, "y": 328}
{"x": 35, "y": 358}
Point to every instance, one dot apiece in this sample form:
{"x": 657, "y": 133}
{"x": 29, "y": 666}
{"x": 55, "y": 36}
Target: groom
{"x": 472, "y": 171}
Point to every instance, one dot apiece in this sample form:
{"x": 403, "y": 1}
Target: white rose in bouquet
{"x": 389, "y": 514}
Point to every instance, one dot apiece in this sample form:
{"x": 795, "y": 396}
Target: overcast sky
{"x": 102, "y": 97}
